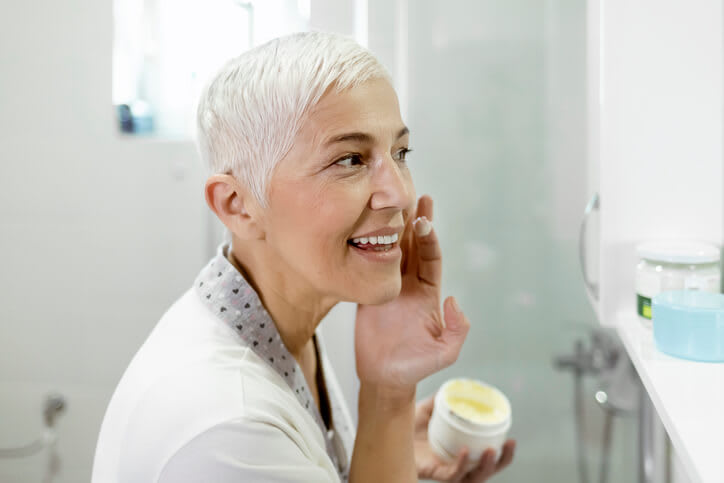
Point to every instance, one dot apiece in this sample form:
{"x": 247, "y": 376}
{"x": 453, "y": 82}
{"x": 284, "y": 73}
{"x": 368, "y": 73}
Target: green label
{"x": 644, "y": 306}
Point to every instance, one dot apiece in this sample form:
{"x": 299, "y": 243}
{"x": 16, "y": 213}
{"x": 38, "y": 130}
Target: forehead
{"x": 371, "y": 107}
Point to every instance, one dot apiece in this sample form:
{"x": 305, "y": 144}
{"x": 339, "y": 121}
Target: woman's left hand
{"x": 431, "y": 467}
{"x": 401, "y": 342}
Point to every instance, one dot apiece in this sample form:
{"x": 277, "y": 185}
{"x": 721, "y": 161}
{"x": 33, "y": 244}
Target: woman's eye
{"x": 349, "y": 159}
{"x": 401, "y": 155}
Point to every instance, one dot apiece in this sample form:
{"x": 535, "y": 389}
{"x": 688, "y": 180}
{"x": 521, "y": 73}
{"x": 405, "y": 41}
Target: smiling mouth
{"x": 373, "y": 248}
{"x": 367, "y": 244}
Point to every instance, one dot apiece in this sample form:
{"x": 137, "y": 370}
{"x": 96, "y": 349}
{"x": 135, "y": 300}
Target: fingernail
{"x": 423, "y": 226}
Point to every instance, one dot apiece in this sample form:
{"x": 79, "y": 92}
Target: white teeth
{"x": 376, "y": 240}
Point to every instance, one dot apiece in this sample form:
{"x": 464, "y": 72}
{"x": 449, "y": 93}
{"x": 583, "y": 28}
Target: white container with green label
{"x": 674, "y": 265}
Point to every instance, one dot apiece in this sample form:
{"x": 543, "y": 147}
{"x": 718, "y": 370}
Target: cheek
{"x": 337, "y": 209}
{"x": 319, "y": 219}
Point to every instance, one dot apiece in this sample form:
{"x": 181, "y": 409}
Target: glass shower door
{"x": 496, "y": 103}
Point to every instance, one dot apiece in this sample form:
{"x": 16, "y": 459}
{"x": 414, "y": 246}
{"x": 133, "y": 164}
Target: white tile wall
{"x": 99, "y": 233}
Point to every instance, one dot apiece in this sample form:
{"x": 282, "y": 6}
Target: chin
{"x": 381, "y": 294}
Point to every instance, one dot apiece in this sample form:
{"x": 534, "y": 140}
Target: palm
{"x": 400, "y": 336}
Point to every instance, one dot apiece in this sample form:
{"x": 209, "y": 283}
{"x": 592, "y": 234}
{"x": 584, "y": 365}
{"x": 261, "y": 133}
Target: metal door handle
{"x": 593, "y": 204}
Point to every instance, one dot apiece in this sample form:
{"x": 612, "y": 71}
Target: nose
{"x": 391, "y": 185}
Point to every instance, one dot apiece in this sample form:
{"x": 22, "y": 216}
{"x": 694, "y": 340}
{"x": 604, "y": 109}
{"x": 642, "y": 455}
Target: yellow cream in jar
{"x": 475, "y": 402}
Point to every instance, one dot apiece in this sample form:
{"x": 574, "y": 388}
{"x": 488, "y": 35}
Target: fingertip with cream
{"x": 422, "y": 226}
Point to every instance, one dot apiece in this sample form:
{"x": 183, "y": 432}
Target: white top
{"x": 213, "y": 395}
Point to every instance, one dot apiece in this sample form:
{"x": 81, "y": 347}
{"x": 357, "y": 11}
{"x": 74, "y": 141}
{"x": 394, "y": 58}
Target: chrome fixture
{"x": 617, "y": 394}
{"x": 53, "y": 406}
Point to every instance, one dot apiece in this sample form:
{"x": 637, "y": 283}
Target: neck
{"x": 294, "y": 306}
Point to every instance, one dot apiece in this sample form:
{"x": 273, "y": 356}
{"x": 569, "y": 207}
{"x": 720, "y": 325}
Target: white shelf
{"x": 688, "y": 396}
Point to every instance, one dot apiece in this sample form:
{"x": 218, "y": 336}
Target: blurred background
{"x": 104, "y": 222}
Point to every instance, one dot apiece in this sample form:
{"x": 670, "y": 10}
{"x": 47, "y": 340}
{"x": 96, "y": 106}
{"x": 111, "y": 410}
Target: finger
{"x": 456, "y": 329}
{"x": 424, "y": 207}
{"x": 456, "y": 471}
{"x": 411, "y": 257}
{"x": 426, "y": 405}
{"x": 507, "y": 457}
{"x": 429, "y": 253}
{"x": 485, "y": 468}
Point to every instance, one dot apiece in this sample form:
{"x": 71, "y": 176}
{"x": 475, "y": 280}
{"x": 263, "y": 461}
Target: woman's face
{"x": 345, "y": 177}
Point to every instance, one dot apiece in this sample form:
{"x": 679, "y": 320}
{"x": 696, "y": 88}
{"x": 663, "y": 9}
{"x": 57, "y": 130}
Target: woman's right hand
{"x": 399, "y": 343}
{"x": 431, "y": 467}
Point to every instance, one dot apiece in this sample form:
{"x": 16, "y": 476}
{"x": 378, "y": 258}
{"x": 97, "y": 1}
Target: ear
{"x": 234, "y": 205}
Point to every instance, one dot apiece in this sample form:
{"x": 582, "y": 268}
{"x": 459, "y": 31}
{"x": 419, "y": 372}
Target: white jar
{"x": 674, "y": 265}
{"x": 468, "y": 413}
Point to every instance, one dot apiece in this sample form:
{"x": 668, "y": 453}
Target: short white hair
{"x": 250, "y": 112}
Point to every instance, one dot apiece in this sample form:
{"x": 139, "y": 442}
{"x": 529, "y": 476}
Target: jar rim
{"x": 468, "y": 425}
{"x": 679, "y": 252}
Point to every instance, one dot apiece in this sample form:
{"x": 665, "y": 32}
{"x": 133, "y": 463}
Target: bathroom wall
{"x": 99, "y": 233}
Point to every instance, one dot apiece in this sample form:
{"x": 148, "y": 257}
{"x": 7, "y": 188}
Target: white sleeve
{"x": 242, "y": 450}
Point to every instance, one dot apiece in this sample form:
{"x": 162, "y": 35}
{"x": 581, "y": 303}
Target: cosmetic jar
{"x": 674, "y": 265}
{"x": 690, "y": 324}
{"x": 468, "y": 413}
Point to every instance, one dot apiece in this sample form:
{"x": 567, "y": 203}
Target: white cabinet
{"x": 656, "y": 119}
{"x": 656, "y": 125}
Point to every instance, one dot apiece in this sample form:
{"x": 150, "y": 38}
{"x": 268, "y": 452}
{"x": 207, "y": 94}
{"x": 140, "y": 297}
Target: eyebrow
{"x": 361, "y": 137}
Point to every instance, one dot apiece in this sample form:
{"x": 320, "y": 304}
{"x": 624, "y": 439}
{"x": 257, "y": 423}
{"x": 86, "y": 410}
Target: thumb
{"x": 456, "y": 329}
{"x": 426, "y": 405}
{"x": 455, "y": 320}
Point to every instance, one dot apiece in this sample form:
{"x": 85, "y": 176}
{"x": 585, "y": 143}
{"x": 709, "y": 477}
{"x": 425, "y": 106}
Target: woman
{"x": 307, "y": 151}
